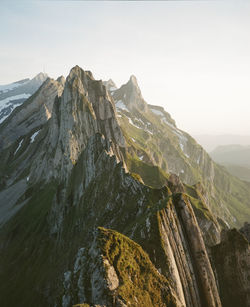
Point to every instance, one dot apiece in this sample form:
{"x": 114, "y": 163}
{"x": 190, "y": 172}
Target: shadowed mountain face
{"x": 89, "y": 211}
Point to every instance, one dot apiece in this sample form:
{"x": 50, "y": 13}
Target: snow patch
{"x": 8, "y": 87}
{"x": 131, "y": 123}
{"x": 19, "y": 145}
{"x": 168, "y": 123}
{"x": 112, "y": 89}
{"x": 138, "y": 127}
{"x": 198, "y": 160}
{"x": 120, "y": 105}
{"x": 32, "y": 138}
{"x": 163, "y": 118}
{"x": 148, "y": 224}
{"x": 5, "y": 102}
{"x": 157, "y": 112}
{"x": 149, "y": 131}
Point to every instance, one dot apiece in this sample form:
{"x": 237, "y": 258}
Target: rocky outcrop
{"x": 130, "y": 95}
{"x": 110, "y": 85}
{"x": 232, "y": 264}
{"x": 245, "y": 230}
{"x": 122, "y": 274}
{"x": 174, "y": 241}
{"x": 198, "y": 251}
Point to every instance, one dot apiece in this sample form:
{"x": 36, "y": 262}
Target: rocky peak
{"x": 84, "y": 109}
{"x": 61, "y": 80}
{"x": 133, "y": 81}
{"x": 130, "y": 95}
{"x": 110, "y": 85}
{"x": 175, "y": 184}
{"x": 78, "y": 72}
{"x": 41, "y": 77}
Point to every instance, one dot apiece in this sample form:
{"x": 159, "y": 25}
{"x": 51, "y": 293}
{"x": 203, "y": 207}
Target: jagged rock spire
{"x": 110, "y": 85}
{"x": 130, "y": 95}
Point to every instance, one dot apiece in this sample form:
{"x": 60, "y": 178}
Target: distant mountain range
{"x": 236, "y": 158}
{"x": 14, "y": 94}
{"x": 210, "y": 142}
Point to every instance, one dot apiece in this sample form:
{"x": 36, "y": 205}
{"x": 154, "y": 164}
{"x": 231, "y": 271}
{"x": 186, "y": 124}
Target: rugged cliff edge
{"x": 232, "y": 263}
{"x": 84, "y": 223}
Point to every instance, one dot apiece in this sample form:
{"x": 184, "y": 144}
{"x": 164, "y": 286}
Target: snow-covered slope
{"x": 14, "y": 94}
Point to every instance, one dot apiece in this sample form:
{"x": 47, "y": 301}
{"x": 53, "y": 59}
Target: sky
{"x": 191, "y": 57}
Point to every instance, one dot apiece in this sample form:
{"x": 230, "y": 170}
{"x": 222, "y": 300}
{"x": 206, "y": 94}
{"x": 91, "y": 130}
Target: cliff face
{"x": 78, "y": 228}
{"x": 232, "y": 263}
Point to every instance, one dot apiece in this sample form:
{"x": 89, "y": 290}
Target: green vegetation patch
{"x": 151, "y": 175}
{"x": 140, "y": 283}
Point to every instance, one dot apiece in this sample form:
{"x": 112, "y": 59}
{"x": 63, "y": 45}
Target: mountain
{"x": 14, "y": 94}
{"x": 153, "y": 139}
{"x": 236, "y": 159}
{"x": 242, "y": 172}
{"x": 210, "y": 142}
{"x": 232, "y": 154}
{"x": 91, "y": 216}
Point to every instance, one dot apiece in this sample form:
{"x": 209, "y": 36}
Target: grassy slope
{"x": 242, "y": 172}
{"x": 232, "y": 154}
{"x": 141, "y": 284}
{"x": 162, "y": 148}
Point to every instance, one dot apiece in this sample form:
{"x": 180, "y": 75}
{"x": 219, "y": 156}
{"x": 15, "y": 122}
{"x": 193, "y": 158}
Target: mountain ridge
{"x": 68, "y": 183}
{"x": 152, "y": 136}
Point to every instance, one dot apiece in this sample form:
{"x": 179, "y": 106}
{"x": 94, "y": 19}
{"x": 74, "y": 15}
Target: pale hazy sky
{"x": 192, "y": 57}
